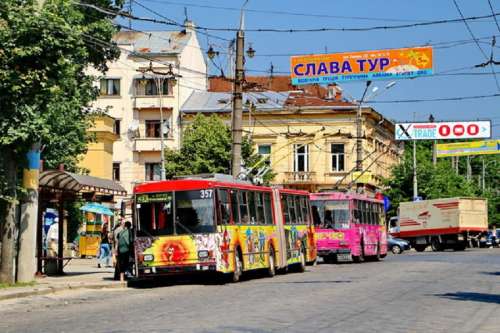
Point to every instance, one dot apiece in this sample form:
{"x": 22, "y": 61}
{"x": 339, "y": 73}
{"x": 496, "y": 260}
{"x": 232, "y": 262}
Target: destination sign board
{"x": 443, "y": 130}
{"x": 364, "y": 65}
{"x": 484, "y": 147}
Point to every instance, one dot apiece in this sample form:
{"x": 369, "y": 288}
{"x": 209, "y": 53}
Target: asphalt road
{"x": 412, "y": 292}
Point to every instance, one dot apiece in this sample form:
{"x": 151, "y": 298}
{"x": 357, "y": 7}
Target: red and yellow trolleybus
{"x": 217, "y": 224}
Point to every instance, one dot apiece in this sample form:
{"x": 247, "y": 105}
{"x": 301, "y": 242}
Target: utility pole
{"x": 236, "y": 122}
{"x": 415, "y": 181}
{"x": 469, "y": 169}
{"x": 434, "y": 152}
{"x": 483, "y": 180}
{"x": 359, "y": 131}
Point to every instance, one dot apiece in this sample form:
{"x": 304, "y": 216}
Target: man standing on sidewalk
{"x": 116, "y": 232}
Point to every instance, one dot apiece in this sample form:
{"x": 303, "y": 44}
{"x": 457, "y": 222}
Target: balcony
{"x": 300, "y": 177}
{"x": 148, "y": 144}
{"x": 153, "y": 102}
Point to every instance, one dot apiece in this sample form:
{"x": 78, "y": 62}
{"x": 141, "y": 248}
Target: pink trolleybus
{"x": 349, "y": 227}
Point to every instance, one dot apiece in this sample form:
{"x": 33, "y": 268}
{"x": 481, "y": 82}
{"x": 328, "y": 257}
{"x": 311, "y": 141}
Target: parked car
{"x": 397, "y": 245}
{"x": 487, "y": 240}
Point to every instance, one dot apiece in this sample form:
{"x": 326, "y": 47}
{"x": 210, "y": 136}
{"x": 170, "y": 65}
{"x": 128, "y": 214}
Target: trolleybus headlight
{"x": 148, "y": 257}
{"x": 203, "y": 254}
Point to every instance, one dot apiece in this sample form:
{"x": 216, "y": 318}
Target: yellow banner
{"x": 484, "y": 147}
{"x": 364, "y": 178}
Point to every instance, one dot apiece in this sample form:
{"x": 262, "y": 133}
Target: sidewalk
{"x": 80, "y": 273}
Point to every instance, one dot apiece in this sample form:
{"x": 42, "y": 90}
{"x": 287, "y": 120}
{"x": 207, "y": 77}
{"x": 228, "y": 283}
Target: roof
{"x": 72, "y": 182}
{"x": 205, "y": 101}
{"x": 154, "y": 42}
{"x": 263, "y": 83}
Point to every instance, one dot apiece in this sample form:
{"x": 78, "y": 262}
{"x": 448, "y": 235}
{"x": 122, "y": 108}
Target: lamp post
{"x": 434, "y": 152}
{"x": 159, "y": 78}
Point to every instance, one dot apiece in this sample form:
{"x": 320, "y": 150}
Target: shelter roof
{"x": 72, "y": 182}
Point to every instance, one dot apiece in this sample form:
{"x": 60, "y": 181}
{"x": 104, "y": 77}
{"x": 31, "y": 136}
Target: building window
{"x": 153, "y": 129}
{"x": 153, "y": 171}
{"x": 116, "y": 172}
{"x": 301, "y": 158}
{"x": 147, "y": 87}
{"x": 116, "y": 127}
{"x": 265, "y": 151}
{"x": 110, "y": 87}
{"x": 338, "y": 157}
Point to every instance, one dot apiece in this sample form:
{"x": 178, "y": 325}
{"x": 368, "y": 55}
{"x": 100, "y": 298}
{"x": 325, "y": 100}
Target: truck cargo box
{"x": 442, "y": 216}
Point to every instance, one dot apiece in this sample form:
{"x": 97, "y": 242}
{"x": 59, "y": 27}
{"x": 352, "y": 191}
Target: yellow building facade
{"x": 99, "y": 157}
{"x": 310, "y": 143}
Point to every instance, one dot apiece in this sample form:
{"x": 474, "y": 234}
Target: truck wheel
{"x": 435, "y": 245}
{"x": 420, "y": 248}
{"x": 460, "y": 247}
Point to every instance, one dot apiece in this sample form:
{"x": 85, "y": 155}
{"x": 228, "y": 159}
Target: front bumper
{"x": 145, "y": 271}
{"x": 331, "y": 252}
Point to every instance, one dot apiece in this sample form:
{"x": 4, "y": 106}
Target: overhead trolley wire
{"x": 289, "y": 30}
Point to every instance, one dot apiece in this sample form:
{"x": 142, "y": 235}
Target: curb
{"x": 53, "y": 290}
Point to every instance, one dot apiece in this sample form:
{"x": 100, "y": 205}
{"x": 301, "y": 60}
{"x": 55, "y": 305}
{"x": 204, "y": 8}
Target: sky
{"x": 460, "y": 57}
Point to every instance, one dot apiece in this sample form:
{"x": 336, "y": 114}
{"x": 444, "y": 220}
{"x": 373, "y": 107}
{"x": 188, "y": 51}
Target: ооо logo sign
{"x": 444, "y": 130}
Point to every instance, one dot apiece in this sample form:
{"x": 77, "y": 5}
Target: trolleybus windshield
{"x": 192, "y": 211}
{"x": 331, "y": 213}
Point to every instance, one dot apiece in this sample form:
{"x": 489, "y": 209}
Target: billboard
{"x": 363, "y": 65}
{"x": 444, "y": 130}
{"x": 484, "y": 147}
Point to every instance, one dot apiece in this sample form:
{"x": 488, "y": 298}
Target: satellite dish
{"x": 134, "y": 128}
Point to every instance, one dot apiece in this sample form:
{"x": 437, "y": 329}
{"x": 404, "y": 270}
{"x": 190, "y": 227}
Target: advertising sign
{"x": 444, "y": 130}
{"x": 484, "y": 147}
{"x": 363, "y": 178}
{"x": 364, "y": 65}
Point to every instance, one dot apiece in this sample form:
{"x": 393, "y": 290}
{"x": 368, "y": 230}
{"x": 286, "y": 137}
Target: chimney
{"x": 334, "y": 92}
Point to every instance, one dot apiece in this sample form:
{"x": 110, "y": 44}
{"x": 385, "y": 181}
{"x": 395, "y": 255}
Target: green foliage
{"x": 206, "y": 148}
{"x": 44, "y": 91}
{"x": 442, "y": 181}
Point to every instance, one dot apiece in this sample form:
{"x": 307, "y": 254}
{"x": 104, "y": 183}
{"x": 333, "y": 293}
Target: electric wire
{"x": 494, "y": 17}
{"x": 290, "y": 30}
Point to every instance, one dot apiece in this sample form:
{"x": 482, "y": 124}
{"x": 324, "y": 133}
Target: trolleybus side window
{"x": 268, "y": 208}
{"x": 291, "y": 209}
{"x": 252, "y": 207}
{"x": 304, "y": 205}
{"x": 259, "y": 205}
{"x": 224, "y": 206}
{"x": 357, "y": 212}
{"x": 235, "y": 206}
{"x": 243, "y": 200}
{"x": 284, "y": 203}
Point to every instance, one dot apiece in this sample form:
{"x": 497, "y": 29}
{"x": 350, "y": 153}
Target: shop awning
{"x": 97, "y": 208}
{"x": 72, "y": 182}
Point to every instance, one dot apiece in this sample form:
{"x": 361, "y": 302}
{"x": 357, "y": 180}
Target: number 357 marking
{"x": 206, "y": 194}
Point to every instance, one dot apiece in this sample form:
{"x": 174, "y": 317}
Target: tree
{"x": 440, "y": 181}
{"x": 44, "y": 91}
{"x": 206, "y": 148}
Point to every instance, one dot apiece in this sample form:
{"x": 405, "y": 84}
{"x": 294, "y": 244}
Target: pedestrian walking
{"x": 116, "y": 231}
{"x": 104, "y": 258}
{"x": 124, "y": 250}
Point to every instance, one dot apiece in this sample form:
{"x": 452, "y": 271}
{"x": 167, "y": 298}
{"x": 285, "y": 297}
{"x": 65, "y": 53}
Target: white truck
{"x": 441, "y": 223}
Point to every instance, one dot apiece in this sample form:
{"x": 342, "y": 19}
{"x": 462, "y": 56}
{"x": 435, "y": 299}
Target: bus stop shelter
{"x": 57, "y": 187}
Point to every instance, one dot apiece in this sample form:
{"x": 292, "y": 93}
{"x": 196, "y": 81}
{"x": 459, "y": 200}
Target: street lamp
{"x": 159, "y": 78}
{"x": 211, "y": 53}
{"x": 250, "y": 51}
{"x": 359, "y": 130}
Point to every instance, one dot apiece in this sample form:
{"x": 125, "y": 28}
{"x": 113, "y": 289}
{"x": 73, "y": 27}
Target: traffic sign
{"x": 443, "y": 130}
{"x": 484, "y": 147}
